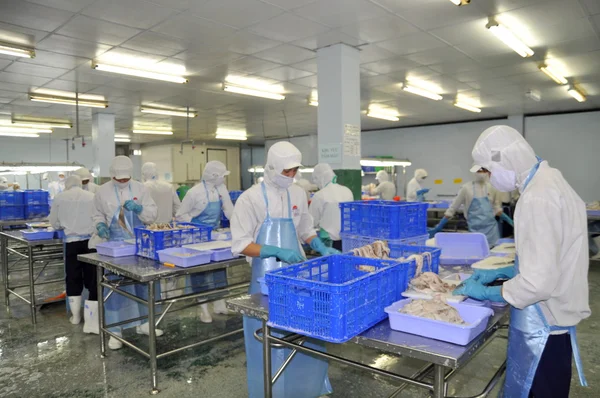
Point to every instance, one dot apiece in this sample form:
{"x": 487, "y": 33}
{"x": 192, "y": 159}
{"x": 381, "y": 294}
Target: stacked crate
{"x": 11, "y": 205}
{"x": 234, "y": 195}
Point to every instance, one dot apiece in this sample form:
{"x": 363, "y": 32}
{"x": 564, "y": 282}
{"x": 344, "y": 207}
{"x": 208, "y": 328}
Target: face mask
{"x": 503, "y": 180}
{"x": 219, "y": 181}
{"x": 61, "y": 179}
{"x": 481, "y": 177}
{"x": 121, "y": 185}
{"x": 283, "y": 181}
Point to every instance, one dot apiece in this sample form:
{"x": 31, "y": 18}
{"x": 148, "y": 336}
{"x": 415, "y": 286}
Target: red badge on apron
{"x": 295, "y": 211}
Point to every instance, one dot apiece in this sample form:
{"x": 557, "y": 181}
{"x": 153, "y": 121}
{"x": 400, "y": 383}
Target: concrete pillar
{"x": 137, "y": 162}
{"x": 338, "y": 79}
{"x": 103, "y": 142}
{"x": 517, "y": 122}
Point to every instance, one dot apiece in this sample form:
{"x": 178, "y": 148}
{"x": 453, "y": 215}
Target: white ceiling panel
{"x": 310, "y": 81}
{"x": 70, "y": 46}
{"x": 54, "y": 60}
{"x": 27, "y": 80}
{"x": 310, "y": 65}
{"x": 372, "y": 53}
{"x": 136, "y": 13}
{"x": 284, "y": 73}
{"x": 19, "y": 88}
{"x": 436, "y": 14}
{"x": 65, "y": 85}
{"x": 573, "y": 47}
{"x": 20, "y": 35}
{"x": 326, "y": 39}
{"x": 5, "y": 62}
{"x": 66, "y": 5}
{"x": 86, "y": 74}
{"x": 286, "y": 54}
{"x": 90, "y": 29}
{"x": 194, "y": 62}
{"x": 246, "y": 43}
{"x": 390, "y": 65}
{"x": 592, "y": 7}
{"x": 412, "y": 43}
{"x": 30, "y": 15}
{"x": 152, "y": 42}
{"x": 288, "y": 27}
{"x": 337, "y": 13}
{"x": 439, "y": 55}
{"x": 251, "y": 65}
{"x": 35, "y": 70}
{"x": 239, "y": 14}
{"x": 493, "y": 7}
{"x": 194, "y": 29}
{"x": 379, "y": 29}
{"x": 548, "y": 13}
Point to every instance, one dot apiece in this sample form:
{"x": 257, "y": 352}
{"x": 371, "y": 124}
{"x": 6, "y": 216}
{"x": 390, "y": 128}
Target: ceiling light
{"x": 169, "y": 112}
{"x": 313, "y": 102}
{"x": 253, "y": 92}
{"x": 122, "y": 140}
{"x": 422, "y": 92}
{"x": 10, "y": 129}
{"x": 24, "y": 135}
{"x": 456, "y": 2}
{"x": 384, "y": 162}
{"x": 467, "y": 107}
{"x": 382, "y": 115}
{"x": 41, "y": 125}
{"x": 154, "y": 132}
{"x": 16, "y": 51}
{"x": 552, "y": 74}
{"x": 578, "y": 95}
{"x": 137, "y": 152}
{"x": 67, "y": 101}
{"x": 231, "y": 135}
{"x": 256, "y": 169}
{"x": 139, "y": 73}
{"x": 122, "y": 136}
{"x": 39, "y": 167}
{"x": 508, "y": 38}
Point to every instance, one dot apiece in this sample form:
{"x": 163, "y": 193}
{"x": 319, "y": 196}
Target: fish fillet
{"x": 433, "y": 309}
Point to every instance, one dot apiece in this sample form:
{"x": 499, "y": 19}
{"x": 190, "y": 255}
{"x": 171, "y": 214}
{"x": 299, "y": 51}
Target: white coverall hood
{"x": 382, "y": 176}
{"x": 505, "y": 147}
{"x": 322, "y": 175}
{"x": 420, "y": 174}
{"x": 281, "y": 156}
{"x": 83, "y": 173}
{"x": 149, "y": 172}
{"x": 72, "y": 182}
{"x": 121, "y": 167}
{"x": 3, "y": 180}
{"x": 214, "y": 173}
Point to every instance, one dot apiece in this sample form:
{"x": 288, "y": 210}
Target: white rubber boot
{"x": 113, "y": 343}
{"x": 205, "y": 316}
{"x": 75, "y": 306}
{"x": 90, "y": 318}
{"x": 219, "y": 307}
{"x": 145, "y": 329}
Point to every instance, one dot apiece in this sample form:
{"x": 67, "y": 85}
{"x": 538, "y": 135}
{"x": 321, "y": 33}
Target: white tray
{"x": 494, "y": 262}
{"x": 212, "y": 245}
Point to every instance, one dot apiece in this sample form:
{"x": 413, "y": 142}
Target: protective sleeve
{"x": 149, "y": 209}
{"x": 99, "y": 215}
{"x": 176, "y": 203}
{"x": 53, "y": 218}
{"x": 457, "y": 202}
{"x": 306, "y": 226}
{"x": 243, "y": 224}
{"x": 227, "y": 203}
{"x": 316, "y": 208}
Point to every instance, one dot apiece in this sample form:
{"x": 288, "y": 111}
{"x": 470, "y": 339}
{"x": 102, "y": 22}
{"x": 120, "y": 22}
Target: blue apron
{"x": 119, "y": 308}
{"x": 527, "y": 337}
{"x": 216, "y": 279}
{"x": 481, "y": 217}
{"x": 305, "y": 376}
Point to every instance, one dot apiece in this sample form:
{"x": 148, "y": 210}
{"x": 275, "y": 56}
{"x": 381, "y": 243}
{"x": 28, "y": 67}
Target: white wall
{"x": 250, "y": 156}
{"x": 308, "y": 145}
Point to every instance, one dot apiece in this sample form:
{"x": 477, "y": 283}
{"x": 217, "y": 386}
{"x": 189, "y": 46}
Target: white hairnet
{"x": 322, "y": 175}
{"x": 121, "y": 167}
{"x": 149, "y": 171}
{"x": 83, "y": 173}
{"x": 73, "y": 181}
{"x": 506, "y": 147}
{"x": 382, "y": 176}
{"x": 282, "y": 156}
{"x": 420, "y": 174}
{"x": 213, "y": 171}
{"x": 60, "y": 173}
{"x": 3, "y": 180}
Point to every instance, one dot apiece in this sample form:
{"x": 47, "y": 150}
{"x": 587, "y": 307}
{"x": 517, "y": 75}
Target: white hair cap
{"x": 121, "y": 167}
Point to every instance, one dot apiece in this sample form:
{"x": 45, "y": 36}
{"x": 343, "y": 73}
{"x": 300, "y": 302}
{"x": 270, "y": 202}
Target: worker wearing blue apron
{"x": 481, "y": 218}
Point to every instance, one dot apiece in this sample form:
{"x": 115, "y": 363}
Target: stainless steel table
{"x": 6, "y": 225}
{"x": 444, "y": 358}
{"x": 37, "y": 251}
{"x": 138, "y": 270}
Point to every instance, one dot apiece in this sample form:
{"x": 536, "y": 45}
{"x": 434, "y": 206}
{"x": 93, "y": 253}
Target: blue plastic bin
{"x": 235, "y": 195}
{"x": 36, "y": 197}
{"x": 36, "y": 211}
{"x": 38, "y": 234}
{"x": 462, "y": 248}
{"x": 148, "y": 242}
{"x": 115, "y": 249}
{"x": 221, "y": 254}
{"x": 11, "y": 198}
{"x": 331, "y": 298}
{"x": 350, "y": 242}
{"x": 504, "y": 240}
{"x": 194, "y": 233}
{"x": 60, "y": 234}
{"x": 182, "y": 257}
{"x": 11, "y": 213}
{"x": 397, "y": 251}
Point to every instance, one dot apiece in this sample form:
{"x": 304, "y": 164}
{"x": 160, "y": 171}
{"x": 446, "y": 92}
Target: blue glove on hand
{"x": 285, "y": 255}
{"x": 504, "y": 217}
{"x": 422, "y": 191}
{"x": 476, "y": 290}
{"x": 486, "y": 276}
{"x": 438, "y": 228}
{"x": 317, "y": 245}
{"x": 132, "y": 206}
{"x": 103, "y": 231}
{"x": 324, "y": 236}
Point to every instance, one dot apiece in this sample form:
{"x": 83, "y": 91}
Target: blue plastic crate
{"x": 11, "y": 213}
{"x": 11, "y": 198}
{"x": 234, "y": 195}
{"x": 430, "y": 263}
{"x": 38, "y": 234}
{"x": 148, "y": 242}
{"x": 36, "y": 197}
{"x": 331, "y": 298}
{"x": 350, "y": 242}
{"x": 384, "y": 219}
{"x": 194, "y": 233}
{"x": 36, "y": 211}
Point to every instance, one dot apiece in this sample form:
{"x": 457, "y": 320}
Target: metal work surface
{"x": 16, "y": 235}
{"x": 144, "y": 269}
{"x": 253, "y": 305}
{"x": 11, "y": 223}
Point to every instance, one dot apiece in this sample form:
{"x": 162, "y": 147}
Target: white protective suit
{"x": 550, "y": 230}
{"x": 414, "y": 185}
{"x": 56, "y": 187}
{"x": 250, "y": 209}
{"x": 386, "y": 189}
{"x": 471, "y": 190}
{"x": 72, "y": 211}
{"x": 196, "y": 200}
{"x": 107, "y": 200}
{"x": 325, "y": 205}
{"x": 163, "y": 194}
{"x": 85, "y": 175}
{"x": 304, "y": 184}
{"x": 3, "y": 184}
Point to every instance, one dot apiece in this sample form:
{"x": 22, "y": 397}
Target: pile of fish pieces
{"x": 433, "y": 309}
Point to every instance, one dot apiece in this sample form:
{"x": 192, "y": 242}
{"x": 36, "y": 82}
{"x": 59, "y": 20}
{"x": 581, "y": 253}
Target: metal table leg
{"x": 267, "y": 360}
{"x": 31, "y": 285}
{"x": 101, "y": 316}
{"x": 439, "y": 383}
{"x": 4, "y": 254}
{"x": 152, "y": 337}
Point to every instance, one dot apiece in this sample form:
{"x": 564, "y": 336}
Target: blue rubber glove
{"x": 438, "y": 228}
{"x": 422, "y": 191}
{"x": 285, "y": 255}
{"x": 317, "y": 245}
{"x": 478, "y": 291}
{"x": 486, "y": 276}
{"x": 324, "y": 236}
{"x": 504, "y": 217}
{"x": 103, "y": 230}
{"x": 132, "y": 206}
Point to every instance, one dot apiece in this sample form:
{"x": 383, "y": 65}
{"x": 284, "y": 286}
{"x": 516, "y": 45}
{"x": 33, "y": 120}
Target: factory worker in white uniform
{"x": 3, "y": 184}
{"x": 415, "y": 192}
{"x": 86, "y": 180}
{"x": 269, "y": 222}
{"x": 482, "y": 204}
{"x": 203, "y": 204}
{"x": 72, "y": 212}
{"x": 56, "y": 187}
{"x": 548, "y": 286}
{"x": 121, "y": 205}
{"x": 304, "y": 184}
{"x": 325, "y": 205}
{"x": 386, "y": 189}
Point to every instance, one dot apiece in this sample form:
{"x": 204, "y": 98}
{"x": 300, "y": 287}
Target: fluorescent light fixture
{"x": 38, "y": 168}
{"x": 256, "y": 169}
{"x": 67, "y": 101}
{"x": 384, "y": 162}
{"x": 9, "y": 49}
{"x": 24, "y": 135}
{"x": 252, "y": 92}
{"x": 313, "y": 102}
{"x": 122, "y": 136}
{"x": 508, "y": 38}
{"x": 231, "y": 137}
{"x": 168, "y": 112}
{"x": 10, "y": 129}
{"x": 553, "y": 74}
{"x": 137, "y": 152}
{"x": 139, "y": 73}
{"x": 122, "y": 140}
{"x": 307, "y": 170}
{"x": 456, "y": 2}
{"x": 41, "y": 125}
{"x": 467, "y": 107}
{"x": 578, "y": 95}
{"x": 382, "y": 115}
{"x": 422, "y": 92}
{"x": 153, "y": 132}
